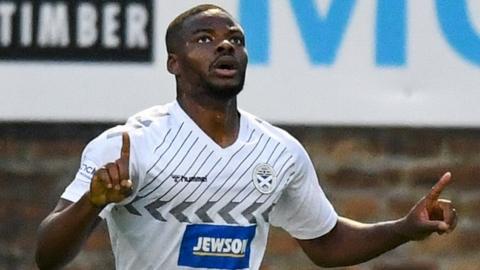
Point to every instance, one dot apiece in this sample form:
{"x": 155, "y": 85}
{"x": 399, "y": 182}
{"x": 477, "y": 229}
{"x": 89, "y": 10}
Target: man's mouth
{"x": 226, "y": 67}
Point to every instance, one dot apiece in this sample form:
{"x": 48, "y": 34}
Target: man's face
{"x": 214, "y": 55}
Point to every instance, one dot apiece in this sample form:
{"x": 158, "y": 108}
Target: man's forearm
{"x": 63, "y": 232}
{"x": 351, "y": 242}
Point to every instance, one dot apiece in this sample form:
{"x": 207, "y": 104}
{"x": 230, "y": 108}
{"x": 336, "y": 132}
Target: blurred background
{"x": 382, "y": 93}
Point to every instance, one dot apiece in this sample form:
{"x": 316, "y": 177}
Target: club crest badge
{"x": 264, "y": 178}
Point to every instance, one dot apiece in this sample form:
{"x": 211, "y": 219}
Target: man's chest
{"x": 193, "y": 182}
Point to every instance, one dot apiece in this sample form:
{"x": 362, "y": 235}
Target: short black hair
{"x": 175, "y": 27}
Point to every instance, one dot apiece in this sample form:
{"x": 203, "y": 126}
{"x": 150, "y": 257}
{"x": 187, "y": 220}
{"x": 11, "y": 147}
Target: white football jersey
{"x": 197, "y": 205}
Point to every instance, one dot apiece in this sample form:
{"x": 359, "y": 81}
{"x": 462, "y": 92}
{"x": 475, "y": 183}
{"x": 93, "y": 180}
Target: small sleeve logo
{"x": 87, "y": 170}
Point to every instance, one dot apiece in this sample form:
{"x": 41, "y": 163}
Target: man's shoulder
{"x": 150, "y": 115}
{"x": 152, "y": 122}
{"x": 139, "y": 126}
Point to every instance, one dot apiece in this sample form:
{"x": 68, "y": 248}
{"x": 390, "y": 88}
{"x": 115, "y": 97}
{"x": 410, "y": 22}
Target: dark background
{"x": 369, "y": 174}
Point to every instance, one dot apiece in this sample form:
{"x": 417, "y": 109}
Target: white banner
{"x": 333, "y": 62}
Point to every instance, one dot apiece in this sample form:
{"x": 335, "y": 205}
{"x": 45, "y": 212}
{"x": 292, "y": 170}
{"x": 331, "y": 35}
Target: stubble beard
{"x": 224, "y": 92}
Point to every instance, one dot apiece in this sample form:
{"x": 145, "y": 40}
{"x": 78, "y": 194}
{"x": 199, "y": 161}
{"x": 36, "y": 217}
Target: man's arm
{"x": 351, "y": 242}
{"x": 62, "y": 233}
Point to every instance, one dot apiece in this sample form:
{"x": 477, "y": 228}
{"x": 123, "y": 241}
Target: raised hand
{"x": 111, "y": 183}
{"x": 431, "y": 214}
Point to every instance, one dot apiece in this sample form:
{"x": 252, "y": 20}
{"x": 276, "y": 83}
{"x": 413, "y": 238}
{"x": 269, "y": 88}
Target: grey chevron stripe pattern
{"x": 248, "y": 213}
{"x": 177, "y": 211}
{"x": 153, "y": 207}
{"x": 132, "y": 210}
{"x": 266, "y": 213}
{"x": 225, "y": 212}
{"x": 228, "y": 196}
{"x": 202, "y": 212}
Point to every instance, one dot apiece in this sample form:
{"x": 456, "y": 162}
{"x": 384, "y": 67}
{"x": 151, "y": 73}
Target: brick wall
{"x": 369, "y": 174}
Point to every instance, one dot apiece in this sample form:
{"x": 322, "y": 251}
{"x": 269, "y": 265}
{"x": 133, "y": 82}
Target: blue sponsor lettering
{"x": 323, "y": 35}
{"x": 391, "y": 33}
{"x": 255, "y": 20}
{"x": 458, "y": 30}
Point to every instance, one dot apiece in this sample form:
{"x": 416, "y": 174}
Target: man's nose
{"x": 225, "y": 47}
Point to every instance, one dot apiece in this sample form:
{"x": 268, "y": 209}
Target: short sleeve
{"x": 100, "y": 151}
{"x": 303, "y": 210}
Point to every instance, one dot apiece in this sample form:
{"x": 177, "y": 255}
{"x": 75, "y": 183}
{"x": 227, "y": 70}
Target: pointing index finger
{"x": 437, "y": 189}
{"x": 125, "y": 152}
{"x": 123, "y": 162}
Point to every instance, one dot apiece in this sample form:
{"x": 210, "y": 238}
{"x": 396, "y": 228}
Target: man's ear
{"x": 172, "y": 64}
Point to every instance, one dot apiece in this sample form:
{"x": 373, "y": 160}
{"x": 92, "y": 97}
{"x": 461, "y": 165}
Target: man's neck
{"x": 219, "y": 119}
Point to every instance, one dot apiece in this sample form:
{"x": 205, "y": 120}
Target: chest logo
{"x": 264, "y": 178}
{"x": 216, "y": 246}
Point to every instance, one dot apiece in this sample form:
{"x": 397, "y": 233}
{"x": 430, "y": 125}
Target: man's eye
{"x": 204, "y": 39}
{"x": 236, "y": 41}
